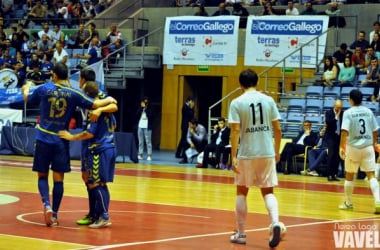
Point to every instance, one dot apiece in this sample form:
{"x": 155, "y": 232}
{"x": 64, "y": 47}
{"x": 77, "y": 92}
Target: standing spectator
{"x": 37, "y": 14}
{"x": 187, "y": 116}
{"x": 113, "y": 40}
{"x": 333, "y": 120}
{"x": 101, "y": 160}
{"x": 291, "y": 10}
{"x": 342, "y": 53}
{"x": 254, "y": 164}
{"x": 196, "y": 139}
{"x": 219, "y": 140}
{"x": 309, "y": 10}
{"x": 376, "y": 29}
{"x": 144, "y": 116}
{"x": 222, "y": 11}
{"x": 242, "y": 12}
{"x": 360, "y": 42}
{"x": 357, "y": 148}
{"x": 51, "y": 152}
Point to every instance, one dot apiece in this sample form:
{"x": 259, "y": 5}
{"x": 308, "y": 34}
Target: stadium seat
{"x": 314, "y": 92}
{"x": 313, "y": 106}
{"x": 345, "y": 92}
{"x": 296, "y": 105}
{"x": 333, "y": 93}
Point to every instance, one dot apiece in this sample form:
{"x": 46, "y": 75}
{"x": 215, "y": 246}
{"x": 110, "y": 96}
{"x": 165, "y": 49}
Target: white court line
{"x": 224, "y": 233}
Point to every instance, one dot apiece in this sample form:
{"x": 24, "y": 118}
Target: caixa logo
{"x": 298, "y": 57}
{"x": 214, "y": 56}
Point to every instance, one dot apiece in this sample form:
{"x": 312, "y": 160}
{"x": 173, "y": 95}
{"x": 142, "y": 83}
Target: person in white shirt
{"x": 254, "y": 119}
{"x": 60, "y": 55}
{"x": 291, "y": 10}
{"x": 144, "y": 128}
{"x": 358, "y": 143}
{"x": 376, "y": 29}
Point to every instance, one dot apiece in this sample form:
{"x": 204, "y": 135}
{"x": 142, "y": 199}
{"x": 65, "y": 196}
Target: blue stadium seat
{"x": 331, "y": 93}
{"x": 313, "y": 106}
{"x": 314, "y": 92}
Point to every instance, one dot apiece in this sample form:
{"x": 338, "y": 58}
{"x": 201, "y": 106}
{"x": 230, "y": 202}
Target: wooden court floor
{"x": 174, "y": 208}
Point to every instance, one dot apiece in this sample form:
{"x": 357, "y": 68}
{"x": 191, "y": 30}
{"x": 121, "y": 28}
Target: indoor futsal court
{"x": 171, "y": 207}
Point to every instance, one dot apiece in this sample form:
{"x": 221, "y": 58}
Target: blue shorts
{"x": 101, "y": 166}
{"x": 84, "y": 158}
{"x": 55, "y": 155}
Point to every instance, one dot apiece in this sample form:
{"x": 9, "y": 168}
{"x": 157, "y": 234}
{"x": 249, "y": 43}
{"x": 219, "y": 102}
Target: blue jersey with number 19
{"x": 57, "y": 105}
{"x": 255, "y": 113}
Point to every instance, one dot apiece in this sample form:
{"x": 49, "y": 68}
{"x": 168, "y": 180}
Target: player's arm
{"x": 95, "y": 114}
{"x": 84, "y": 135}
{"x": 103, "y": 102}
{"x": 342, "y": 146}
{"x": 277, "y": 138}
{"x": 235, "y": 134}
{"x": 25, "y": 90}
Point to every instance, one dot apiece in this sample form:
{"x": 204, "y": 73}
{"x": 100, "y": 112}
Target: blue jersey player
{"x": 58, "y": 102}
{"x": 100, "y": 159}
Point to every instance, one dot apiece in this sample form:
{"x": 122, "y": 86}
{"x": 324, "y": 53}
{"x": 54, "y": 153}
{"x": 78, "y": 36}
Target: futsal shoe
{"x": 87, "y": 220}
{"x": 275, "y": 235}
{"x": 346, "y": 206}
{"x": 377, "y": 208}
{"x": 48, "y": 212}
{"x": 99, "y": 223}
{"x": 238, "y": 238}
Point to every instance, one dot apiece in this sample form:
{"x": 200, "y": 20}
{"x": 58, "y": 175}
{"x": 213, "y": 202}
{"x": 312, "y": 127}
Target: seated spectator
{"x": 37, "y": 14}
{"x": 306, "y": 137}
{"x": 80, "y": 36}
{"x": 36, "y": 76}
{"x": 200, "y": 11}
{"x": 358, "y": 60}
{"x": 222, "y": 11}
{"x": 375, "y": 44}
{"x": 92, "y": 33}
{"x": 309, "y": 10}
{"x": 93, "y": 54}
{"x": 291, "y": 10}
{"x": 330, "y": 72}
{"x": 60, "y": 55}
{"x": 47, "y": 67}
{"x": 25, "y": 46}
{"x": 60, "y": 15}
{"x": 317, "y": 155}
{"x": 7, "y": 8}
{"x": 88, "y": 11}
{"x": 57, "y": 35}
{"x": 376, "y": 29}
{"x": 34, "y": 61}
{"x": 360, "y": 42}
{"x": 33, "y": 45}
{"x": 219, "y": 140}
{"x": 370, "y": 53}
{"x": 372, "y": 78}
{"x": 76, "y": 13}
{"x": 342, "y": 53}
{"x": 196, "y": 139}
{"x": 45, "y": 31}
{"x": 347, "y": 74}
{"x": 242, "y": 12}
{"x": 44, "y": 46}
{"x": 269, "y": 10}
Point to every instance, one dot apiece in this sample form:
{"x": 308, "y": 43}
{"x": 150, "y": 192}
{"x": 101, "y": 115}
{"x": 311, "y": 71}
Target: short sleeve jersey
{"x": 103, "y": 131}
{"x": 57, "y": 105}
{"x": 360, "y": 123}
{"x": 254, "y": 112}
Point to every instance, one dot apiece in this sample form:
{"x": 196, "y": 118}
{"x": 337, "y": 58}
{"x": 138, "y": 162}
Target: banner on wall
{"x": 194, "y": 40}
{"x": 271, "y": 38}
{"x": 12, "y": 95}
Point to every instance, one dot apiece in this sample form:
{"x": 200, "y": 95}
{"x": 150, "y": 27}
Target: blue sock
{"x": 92, "y": 203}
{"x": 57, "y": 196}
{"x": 101, "y": 202}
{"x": 43, "y": 188}
{"x": 106, "y": 195}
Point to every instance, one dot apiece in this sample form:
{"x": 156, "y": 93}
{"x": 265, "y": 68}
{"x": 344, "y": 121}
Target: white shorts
{"x": 360, "y": 157}
{"x": 259, "y": 172}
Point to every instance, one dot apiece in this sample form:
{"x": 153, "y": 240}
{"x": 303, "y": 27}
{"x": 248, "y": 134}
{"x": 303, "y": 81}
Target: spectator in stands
{"x": 76, "y": 13}
{"x": 291, "y": 10}
{"x": 268, "y": 10}
{"x": 7, "y": 8}
{"x": 44, "y": 46}
{"x": 200, "y": 11}
{"x": 60, "y": 15}
{"x": 36, "y": 76}
{"x": 15, "y": 44}
{"x": 360, "y": 42}
{"x": 222, "y": 11}
{"x": 376, "y": 29}
{"x": 37, "y": 14}
{"x": 370, "y": 53}
{"x": 93, "y": 53}
{"x": 80, "y": 36}
{"x": 347, "y": 74}
{"x": 57, "y": 35}
{"x": 182, "y": 3}
{"x": 47, "y": 67}
{"x": 372, "y": 78}
{"x": 92, "y": 33}
{"x": 60, "y": 55}
{"x": 330, "y": 72}
{"x": 317, "y": 155}
{"x": 242, "y": 12}
{"x": 113, "y": 40}
{"x": 2, "y": 36}
{"x": 88, "y": 11}
{"x": 196, "y": 139}
{"x": 34, "y": 43}
{"x": 358, "y": 60}
{"x": 335, "y": 20}
{"x": 309, "y": 10}
{"x": 25, "y": 47}
{"x": 342, "y": 53}
{"x": 219, "y": 140}
{"x": 306, "y": 137}
{"x": 45, "y": 30}
{"x": 33, "y": 61}
{"x": 375, "y": 44}
{"x": 20, "y": 34}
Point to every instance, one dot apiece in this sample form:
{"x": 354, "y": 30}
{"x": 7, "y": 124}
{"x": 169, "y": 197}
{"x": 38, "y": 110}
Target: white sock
{"x": 272, "y": 207}
{"x": 374, "y": 185}
{"x": 348, "y": 190}
{"x": 241, "y": 213}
